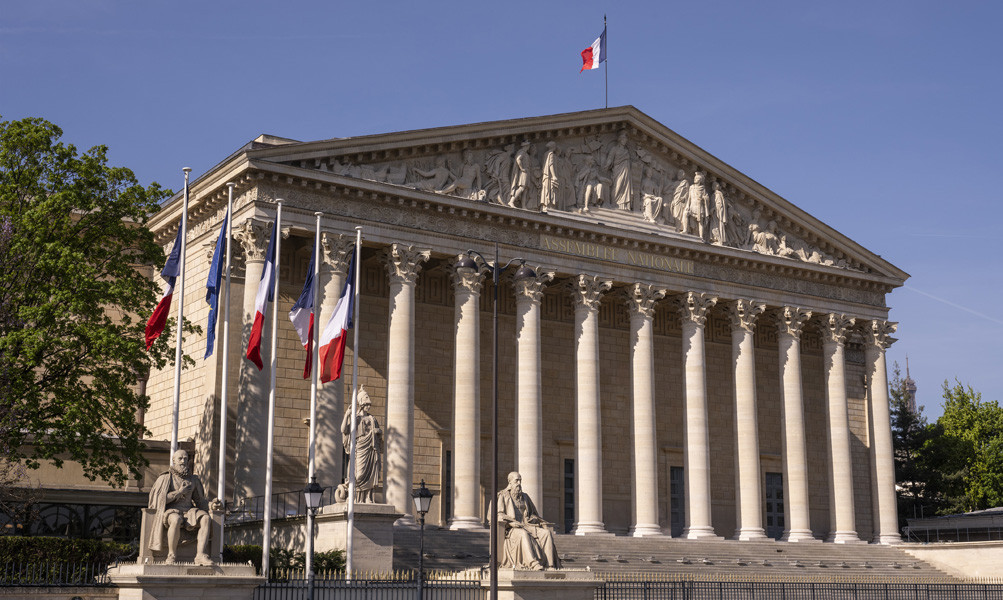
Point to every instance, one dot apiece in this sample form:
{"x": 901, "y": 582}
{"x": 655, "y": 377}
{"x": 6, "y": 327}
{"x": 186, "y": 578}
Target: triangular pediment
{"x": 612, "y": 166}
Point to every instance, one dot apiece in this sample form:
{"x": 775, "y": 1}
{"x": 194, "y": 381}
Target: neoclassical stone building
{"x": 683, "y": 352}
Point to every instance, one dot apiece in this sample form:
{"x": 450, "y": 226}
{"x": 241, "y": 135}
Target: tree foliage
{"x": 75, "y": 260}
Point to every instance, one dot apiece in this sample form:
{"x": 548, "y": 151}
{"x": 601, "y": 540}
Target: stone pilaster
{"x": 878, "y": 337}
{"x": 403, "y": 265}
{"x": 841, "y": 511}
{"x": 529, "y": 373}
{"x": 693, "y": 309}
{"x": 790, "y": 324}
{"x": 586, "y": 292}
{"x": 641, "y": 299}
{"x": 748, "y": 483}
{"x": 467, "y": 399}
{"x": 252, "y": 393}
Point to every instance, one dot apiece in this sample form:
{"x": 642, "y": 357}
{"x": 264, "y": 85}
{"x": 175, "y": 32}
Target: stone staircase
{"x": 725, "y": 559}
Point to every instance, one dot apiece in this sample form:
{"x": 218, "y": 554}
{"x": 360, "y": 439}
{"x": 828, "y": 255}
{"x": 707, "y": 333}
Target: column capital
{"x": 252, "y": 235}
{"x": 641, "y": 298}
{"x": 878, "y": 334}
{"x": 693, "y": 306}
{"x": 791, "y": 320}
{"x": 531, "y": 287}
{"x": 336, "y": 250}
{"x": 404, "y": 262}
{"x": 835, "y": 326}
{"x": 744, "y": 313}
{"x": 466, "y": 279}
{"x": 587, "y": 291}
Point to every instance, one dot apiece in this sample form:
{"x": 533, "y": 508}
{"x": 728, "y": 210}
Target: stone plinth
{"x": 184, "y": 581}
{"x": 560, "y": 584}
{"x": 373, "y": 542}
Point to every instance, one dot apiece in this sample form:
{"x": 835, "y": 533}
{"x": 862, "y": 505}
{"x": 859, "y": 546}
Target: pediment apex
{"x": 578, "y": 163}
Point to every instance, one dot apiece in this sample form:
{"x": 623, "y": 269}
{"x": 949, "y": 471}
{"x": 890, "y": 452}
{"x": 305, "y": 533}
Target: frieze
{"x": 634, "y": 258}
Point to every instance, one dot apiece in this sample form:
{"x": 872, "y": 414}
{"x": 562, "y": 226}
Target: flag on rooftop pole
{"x": 214, "y": 281}
{"x": 595, "y": 54}
{"x": 264, "y": 296}
{"x": 158, "y": 320}
{"x": 335, "y": 334}
{"x": 302, "y": 314}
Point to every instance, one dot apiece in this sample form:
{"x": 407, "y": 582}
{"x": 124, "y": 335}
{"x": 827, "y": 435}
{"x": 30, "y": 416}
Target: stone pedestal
{"x": 184, "y": 581}
{"x": 570, "y": 584}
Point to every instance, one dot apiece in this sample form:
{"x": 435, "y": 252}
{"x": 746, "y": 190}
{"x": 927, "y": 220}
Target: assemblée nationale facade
{"x": 684, "y": 352}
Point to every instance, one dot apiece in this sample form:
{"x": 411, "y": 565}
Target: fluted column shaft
{"x": 467, "y": 400}
{"x": 403, "y": 265}
{"x": 882, "y": 457}
{"x": 586, "y": 292}
{"x": 793, "y": 447}
{"x": 748, "y": 482}
{"x": 641, "y": 300}
{"x": 841, "y": 511}
{"x": 529, "y": 376}
{"x": 696, "y": 439}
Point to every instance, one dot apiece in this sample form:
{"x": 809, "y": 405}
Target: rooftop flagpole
{"x": 181, "y": 318}
{"x": 606, "y": 68}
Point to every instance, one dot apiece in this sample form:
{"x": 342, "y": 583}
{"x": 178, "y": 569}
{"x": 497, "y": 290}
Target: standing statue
{"x": 680, "y": 197}
{"x": 589, "y": 186}
{"x": 550, "y": 183}
{"x": 696, "y": 207}
{"x": 499, "y": 170}
{"x": 180, "y": 502}
{"x": 618, "y": 160}
{"x": 651, "y": 193}
{"x": 721, "y": 213}
{"x": 522, "y": 170}
{"x": 529, "y": 540}
{"x": 368, "y": 447}
{"x": 566, "y": 181}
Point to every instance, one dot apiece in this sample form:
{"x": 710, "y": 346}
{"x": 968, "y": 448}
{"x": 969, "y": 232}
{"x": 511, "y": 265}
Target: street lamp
{"x": 496, "y": 271}
{"x": 422, "y": 500}
{"x": 314, "y": 494}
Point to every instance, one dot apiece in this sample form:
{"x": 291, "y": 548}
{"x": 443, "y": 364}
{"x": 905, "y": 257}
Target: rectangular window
{"x": 677, "y": 499}
{"x": 775, "y": 505}
{"x": 569, "y": 494}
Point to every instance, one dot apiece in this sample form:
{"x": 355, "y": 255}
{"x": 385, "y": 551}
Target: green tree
{"x": 75, "y": 290}
{"x": 909, "y": 433}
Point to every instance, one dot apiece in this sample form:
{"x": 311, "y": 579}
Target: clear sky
{"x": 882, "y": 119}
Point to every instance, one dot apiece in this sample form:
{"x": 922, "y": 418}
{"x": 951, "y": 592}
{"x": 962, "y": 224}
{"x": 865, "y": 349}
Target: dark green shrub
{"x": 30, "y": 550}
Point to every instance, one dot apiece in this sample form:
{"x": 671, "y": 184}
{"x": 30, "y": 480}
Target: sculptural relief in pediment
{"x": 585, "y": 174}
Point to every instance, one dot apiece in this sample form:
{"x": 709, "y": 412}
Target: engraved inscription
{"x": 633, "y": 258}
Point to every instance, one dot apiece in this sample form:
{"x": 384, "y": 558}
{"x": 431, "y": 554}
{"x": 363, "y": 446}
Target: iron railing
{"x": 928, "y": 535}
{"x": 794, "y": 590}
{"x": 54, "y": 574}
{"x": 395, "y": 586}
{"x": 284, "y": 504}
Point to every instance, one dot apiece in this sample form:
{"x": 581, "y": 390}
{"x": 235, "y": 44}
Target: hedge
{"x": 20, "y": 549}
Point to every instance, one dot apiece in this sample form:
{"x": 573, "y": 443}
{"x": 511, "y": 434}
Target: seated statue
{"x": 180, "y": 503}
{"x": 529, "y": 540}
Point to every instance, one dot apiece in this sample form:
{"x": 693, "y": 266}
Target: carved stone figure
{"x": 696, "y": 206}
{"x": 180, "y": 502}
{"x": 368, "y": 447}
{"x": 721, "y": 215}
{"x": 499, "y": 170}
{"x": 468, "y": 184}
{"x": 763, "y": 242}
{"x": 550, "y": 183}
{"x": 522, "y": 170}
{"x": 529, "y": 540}
{"x": 680, "y": 197}
{"x": 436, "y": 178}
{"x": 588, "y": 184}
{"x": 566, "y": 180}
{"x": 618, "y": 160}
{"x": 651, "y": 193}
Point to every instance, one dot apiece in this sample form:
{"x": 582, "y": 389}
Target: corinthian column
{"x": 641, "y": 299}
{"x": 878, "y": 338}
{"x": 336, "y": 252}
{"x": 528, "y": 372}
{"x": 467, "y": 397}
{"x": 748, "y": 486}
{"x": 790, "y": 323}
{"x": 403, "y": 264}
{"x": 693, "y": 309}
{"x": 252, "y": 394}
{"x": 841, "y": 513}
{"x": 586, "y": 291}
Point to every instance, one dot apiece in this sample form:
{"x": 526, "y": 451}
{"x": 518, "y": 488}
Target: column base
{"x": 800, "y": 536}
{"x": 749, "y": 534}
{"x": 465, "y": 524}
{"x": 844, "y": 537}
{"x": 590, "y": 528}
{"x": 705, "y": 532}
{"x": 641, "y": 530}
{"x": 888, "y": 539}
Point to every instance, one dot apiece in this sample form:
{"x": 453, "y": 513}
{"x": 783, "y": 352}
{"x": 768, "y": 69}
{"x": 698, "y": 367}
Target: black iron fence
{"x": 953, "y": 534}
{"x": 284, "y": 504}
{"x": 396, "y": 586}
{"x": 54, "y": 574}
{"x": 800, "y": 590}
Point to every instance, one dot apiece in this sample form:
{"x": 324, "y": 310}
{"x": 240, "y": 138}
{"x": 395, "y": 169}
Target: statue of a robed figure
{"x": 178, "y": 504}
{"x": 529, "y": 540}
{"x": 368, "y": 447}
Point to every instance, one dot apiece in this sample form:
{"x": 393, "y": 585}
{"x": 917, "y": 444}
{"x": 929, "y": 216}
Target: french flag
{"x": 594, "y": 54}
{"x": 302, "y": 315}
{"x": 335, "y": 334}
{"x": 172, "y": 268}
{"x": 261, "y": 301}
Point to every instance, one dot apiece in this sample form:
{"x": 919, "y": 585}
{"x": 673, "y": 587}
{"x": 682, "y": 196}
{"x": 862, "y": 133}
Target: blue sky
{"x": 879, "y": 118}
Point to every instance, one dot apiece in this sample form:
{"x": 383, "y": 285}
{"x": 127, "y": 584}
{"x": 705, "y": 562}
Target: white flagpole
{"x": 181, "y": 318}
{"x": 221, "y": 485}
{"x": 267, "y": 533}
{"x": 314, "y": 367}
{"x": 355, "y": 396}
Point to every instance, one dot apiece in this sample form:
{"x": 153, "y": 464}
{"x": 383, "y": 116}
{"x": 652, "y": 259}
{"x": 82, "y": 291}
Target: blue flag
{"x": 213, "y": 285}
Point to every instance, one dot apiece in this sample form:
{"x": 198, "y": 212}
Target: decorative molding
{"x": 835, "y": 327}
{"x": 744, "y": 314}
{"x": 587, "y": 291}
{"x": 336, "y": 250}
{"x": 791, "y": 320}
{"x": 531, "y": 288}
{"x": 693, "y": 306}
{"x": 878, "y": 334}
{"x": 253, "y": 236}
{"x": 404, "y": 262}
{"x": 641, "y": 298}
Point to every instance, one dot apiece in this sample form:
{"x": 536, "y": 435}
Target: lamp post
{"x": 422, "y": 500}
{"x": 314, "y": 495}
{"x": 496, "y": 271}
